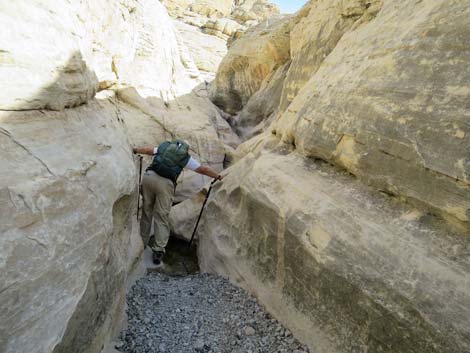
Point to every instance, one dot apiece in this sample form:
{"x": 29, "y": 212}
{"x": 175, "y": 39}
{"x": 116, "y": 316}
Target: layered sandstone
{"x": 348, "y": 269}
{"x": 220, "y": 21}
{"x": 362, "y": 94}
{"x": 374, "y": 260}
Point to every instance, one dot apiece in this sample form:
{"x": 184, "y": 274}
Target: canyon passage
{"x": 342, "y": 223}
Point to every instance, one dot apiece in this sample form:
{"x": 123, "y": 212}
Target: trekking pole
{"x": 140, "y": 185}
{"x": 202, "y": 210}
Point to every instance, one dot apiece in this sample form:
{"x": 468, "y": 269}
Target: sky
{"x": 289, "y": 6}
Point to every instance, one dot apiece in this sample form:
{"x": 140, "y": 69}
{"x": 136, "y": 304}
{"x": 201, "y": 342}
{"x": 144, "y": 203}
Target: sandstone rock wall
{"x": 346, "y": 268}
{"x": 60, "y": 241}
{"x": 222, "y": 19}
{"x": 361, "y": 92}
{"x": 89, "y": 53}
{"x": 374, "y": 260}
{"x": 68, "y": 183}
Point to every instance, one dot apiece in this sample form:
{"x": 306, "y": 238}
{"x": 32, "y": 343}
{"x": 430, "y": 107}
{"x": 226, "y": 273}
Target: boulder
{"x": 222, "y": 28}
{"x": 259, "y": 52}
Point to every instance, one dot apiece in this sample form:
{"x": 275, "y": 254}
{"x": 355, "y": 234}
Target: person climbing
{"x": 158, "y": 188}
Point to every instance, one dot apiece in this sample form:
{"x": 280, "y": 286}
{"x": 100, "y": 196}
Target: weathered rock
{"x": 68, "y": 186}
{"x": 254, "y": 10}
{"x": 207, "y": 51}
{"x": 222, "y": 28}
{"x": 260, "y": 51}
{"x": 102, "y": 42}
{"x": 183, "y": 217}
{"x": 263, "y": 106}
{"x": 373, "y": 111}
{"x": 319, "y": 27}
{"x": 212, "y": 8}
{"x": 347, "y": 269}
{"x": 65, "y": 227}
{"x": 206, "y": 131}
{"x": 342, "y": 82}
{"x": 176, "y": 7}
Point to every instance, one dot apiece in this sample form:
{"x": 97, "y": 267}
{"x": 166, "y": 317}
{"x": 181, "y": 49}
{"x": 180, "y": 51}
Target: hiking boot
{"x": 157, "y": 257}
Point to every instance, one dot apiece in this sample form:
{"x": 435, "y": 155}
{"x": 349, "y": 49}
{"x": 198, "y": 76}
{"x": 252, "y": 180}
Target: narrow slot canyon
{"x": 321, "y": 147}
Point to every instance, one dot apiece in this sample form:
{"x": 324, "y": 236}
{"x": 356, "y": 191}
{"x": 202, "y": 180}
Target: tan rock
{"x": 263, "y": 106}
{"x": 65, "y": 225}
{"x": 212, "y": 8}
{"x": 254, "y": 10}
{"x": 326, "y": 104}
{"x": 330, "y": 257}
{"x": 207, "y": 51}
{"x": 369, "y": 109}
{"x": 327, "y": 255}
{"x": 222, "y": 28}
{"x": 102, "y": 42}
{"x": 68, "y": 184}
{"x": 176, "y": 7}
{"x": 206, "y": 131}
{"x": 260, "y": 51}
{"x": 183, "y": 216}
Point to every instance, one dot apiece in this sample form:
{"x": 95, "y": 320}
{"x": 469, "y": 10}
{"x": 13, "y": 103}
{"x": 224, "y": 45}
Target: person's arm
{"x": 144, "y": 150}
{"x": 209, "y": 172}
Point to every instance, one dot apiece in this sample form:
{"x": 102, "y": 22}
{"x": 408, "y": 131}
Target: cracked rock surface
{"x": 199, "y": 313}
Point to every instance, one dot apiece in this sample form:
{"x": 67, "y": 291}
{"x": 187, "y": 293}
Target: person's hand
{"x": 220, "y": 177}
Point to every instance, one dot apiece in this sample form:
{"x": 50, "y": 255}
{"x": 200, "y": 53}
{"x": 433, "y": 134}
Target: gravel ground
{"x": 199, "y": 313}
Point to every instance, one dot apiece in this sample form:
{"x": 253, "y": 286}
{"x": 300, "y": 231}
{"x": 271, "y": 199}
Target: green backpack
{"x": 171, "y": 158}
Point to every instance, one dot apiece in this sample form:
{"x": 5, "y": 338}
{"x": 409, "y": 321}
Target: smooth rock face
{"x": 346, "y": 268}
{"x": 101, "y": 43}
{"x": 65, "y": 227}
{"x": 206, "y": 50}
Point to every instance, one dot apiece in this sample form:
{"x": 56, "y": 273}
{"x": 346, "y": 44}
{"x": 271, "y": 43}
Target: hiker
{"x": 158, "y": 188}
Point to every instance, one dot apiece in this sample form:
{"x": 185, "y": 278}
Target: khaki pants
{"x": 157, "y": 195}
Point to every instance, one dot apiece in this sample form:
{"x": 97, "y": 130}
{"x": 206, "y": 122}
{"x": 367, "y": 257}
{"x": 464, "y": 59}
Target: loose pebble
{"x": 199, "y": 313}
